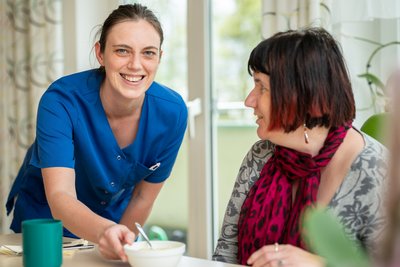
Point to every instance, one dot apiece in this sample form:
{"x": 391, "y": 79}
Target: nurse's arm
{"x": 141, "y": 203}
{"x": 60, "y": 191}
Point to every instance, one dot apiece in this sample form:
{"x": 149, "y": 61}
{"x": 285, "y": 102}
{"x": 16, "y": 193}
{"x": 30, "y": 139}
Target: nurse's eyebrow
{"x": 150, "y": 47}
{"x": 128, "y": 47}
{"x": 122, "y": 46}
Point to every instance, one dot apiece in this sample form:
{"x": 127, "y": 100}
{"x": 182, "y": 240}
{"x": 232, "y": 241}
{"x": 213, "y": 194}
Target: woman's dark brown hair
{"x": 129, "y": 12}
{"x": 309, "y": 82}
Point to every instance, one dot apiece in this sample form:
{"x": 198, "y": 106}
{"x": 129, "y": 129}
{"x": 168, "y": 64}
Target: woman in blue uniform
{"x": 106, "y": 139}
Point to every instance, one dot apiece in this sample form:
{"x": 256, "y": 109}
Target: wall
{"x": 239, "y": 140}
{"x": 81, "y": 22}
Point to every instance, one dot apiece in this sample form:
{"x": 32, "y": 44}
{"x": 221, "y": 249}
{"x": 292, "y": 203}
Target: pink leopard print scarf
{"x": 268, "y": 215}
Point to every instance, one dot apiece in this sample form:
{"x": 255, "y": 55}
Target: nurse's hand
{"x": 112, "y": 240}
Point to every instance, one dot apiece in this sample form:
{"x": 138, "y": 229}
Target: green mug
{"x": 42, "y": 243}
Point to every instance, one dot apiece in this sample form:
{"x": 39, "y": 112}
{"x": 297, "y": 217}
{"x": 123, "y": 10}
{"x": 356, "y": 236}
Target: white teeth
{"x": 132, "y": 78}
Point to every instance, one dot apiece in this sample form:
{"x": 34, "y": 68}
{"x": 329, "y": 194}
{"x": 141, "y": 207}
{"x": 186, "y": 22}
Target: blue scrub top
{"x": 73, "y": 132}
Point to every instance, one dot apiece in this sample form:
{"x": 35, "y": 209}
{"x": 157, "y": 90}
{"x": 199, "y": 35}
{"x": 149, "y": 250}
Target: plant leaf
{"x": 372, "y": 79}
{"x": 325, "y": 236}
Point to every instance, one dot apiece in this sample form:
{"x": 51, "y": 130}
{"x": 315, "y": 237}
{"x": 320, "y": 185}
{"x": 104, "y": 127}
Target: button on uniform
{"x": 103, "y": 202}
{"x": 119, "y": 157}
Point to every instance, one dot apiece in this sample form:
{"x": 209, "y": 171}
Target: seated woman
{"x": 309, "y": 154}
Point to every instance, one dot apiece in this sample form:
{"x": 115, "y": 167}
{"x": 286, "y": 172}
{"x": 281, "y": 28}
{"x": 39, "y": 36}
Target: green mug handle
{"x": 157, "y": 233}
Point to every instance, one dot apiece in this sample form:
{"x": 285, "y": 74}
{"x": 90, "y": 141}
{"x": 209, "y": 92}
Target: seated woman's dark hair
{"x": 308, "y": 79}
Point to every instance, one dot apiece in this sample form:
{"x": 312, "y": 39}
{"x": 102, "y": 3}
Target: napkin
{"x": 68, "y": 247}
{"x": 11, "y": 250}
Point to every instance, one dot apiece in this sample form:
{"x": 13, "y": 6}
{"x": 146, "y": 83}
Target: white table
{"x": 84, "y": 258}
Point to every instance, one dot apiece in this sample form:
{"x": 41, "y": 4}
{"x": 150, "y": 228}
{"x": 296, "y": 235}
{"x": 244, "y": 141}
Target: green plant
{"x": 375, "y": 84}
{"x": 325, "y": 236}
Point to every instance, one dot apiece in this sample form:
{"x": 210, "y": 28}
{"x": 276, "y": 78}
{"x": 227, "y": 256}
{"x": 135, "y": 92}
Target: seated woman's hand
{"x": 284, "y": 255}
{"x": 112, "y": 240}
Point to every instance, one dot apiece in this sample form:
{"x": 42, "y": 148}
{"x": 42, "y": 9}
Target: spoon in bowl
{"x": 141, "y": 231}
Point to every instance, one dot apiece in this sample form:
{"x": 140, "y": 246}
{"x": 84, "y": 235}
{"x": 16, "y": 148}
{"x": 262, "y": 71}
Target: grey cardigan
{"x": 357, "y": 203}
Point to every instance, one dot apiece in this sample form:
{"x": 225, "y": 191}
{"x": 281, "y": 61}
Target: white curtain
{"x": 282, "y": 15}
{"x": 364, "y": 10}
{"x": 362, "y": 27}
{"x": 31, "y": 57}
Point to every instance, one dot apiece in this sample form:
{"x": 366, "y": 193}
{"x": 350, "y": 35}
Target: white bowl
{"x": 164, "y": 253}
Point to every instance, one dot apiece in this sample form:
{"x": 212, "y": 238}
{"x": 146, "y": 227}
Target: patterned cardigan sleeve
{"x": 227, "y": 246}
{"x": 360, "y": 201}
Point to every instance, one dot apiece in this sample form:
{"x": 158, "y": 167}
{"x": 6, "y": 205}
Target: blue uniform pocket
{"x": 139, "y": 172}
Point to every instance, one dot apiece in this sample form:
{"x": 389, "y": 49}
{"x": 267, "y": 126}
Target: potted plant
{"x": 325, "y": 236}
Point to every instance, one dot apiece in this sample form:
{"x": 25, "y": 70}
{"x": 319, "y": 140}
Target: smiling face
{"x": 259, "y": 99}
{"x": 130, "y": 58}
